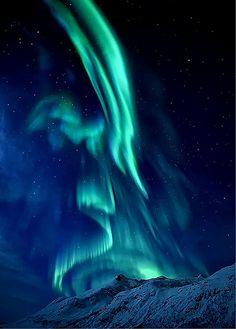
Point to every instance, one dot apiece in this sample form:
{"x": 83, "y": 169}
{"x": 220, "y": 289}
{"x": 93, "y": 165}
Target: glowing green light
{"x": 108, "y": 73}
{"x": 132, "y": 236}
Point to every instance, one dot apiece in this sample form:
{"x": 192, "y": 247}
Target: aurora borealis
{"x": 94, "y": 177}
{"x": 103, "y": 192}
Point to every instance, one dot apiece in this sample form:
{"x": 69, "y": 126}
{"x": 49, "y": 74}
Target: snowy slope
{"x": 161, "y": 302}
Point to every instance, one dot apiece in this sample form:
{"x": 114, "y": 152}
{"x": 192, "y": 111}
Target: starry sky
{"x": 181, "y": 59}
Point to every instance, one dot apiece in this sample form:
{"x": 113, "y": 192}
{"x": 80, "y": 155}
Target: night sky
{"x": 181, "y": 60}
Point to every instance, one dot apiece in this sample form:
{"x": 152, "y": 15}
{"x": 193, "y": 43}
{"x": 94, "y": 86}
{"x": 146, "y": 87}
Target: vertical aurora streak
{"x": 103, "y": 59}
{"x": 133, "y": 235}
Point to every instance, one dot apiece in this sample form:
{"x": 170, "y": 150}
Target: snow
{"x": 160, "y": 302}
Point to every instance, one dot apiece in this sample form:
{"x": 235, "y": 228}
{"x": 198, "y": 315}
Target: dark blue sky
{"x": 182, "y": 60}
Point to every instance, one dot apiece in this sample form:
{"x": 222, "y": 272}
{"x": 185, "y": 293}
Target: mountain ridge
{"x": 155, "y": 303}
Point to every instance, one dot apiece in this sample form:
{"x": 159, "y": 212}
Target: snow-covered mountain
{"x": 155, "y": 303}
